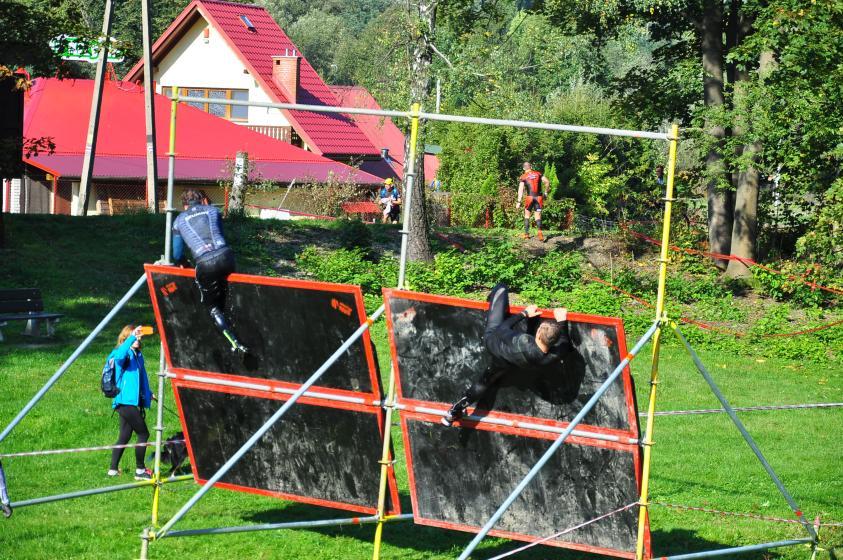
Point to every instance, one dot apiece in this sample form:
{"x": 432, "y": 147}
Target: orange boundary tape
{"x": 747, "y": 262}
{"x": 707, "y": 326}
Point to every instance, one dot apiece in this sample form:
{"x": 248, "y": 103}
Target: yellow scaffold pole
{"x": 647, "y": 442}
{"x": 386, "y": 464}
{"x": 171, "y": 155}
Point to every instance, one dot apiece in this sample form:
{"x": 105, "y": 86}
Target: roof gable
{"x": 324, "y": 133}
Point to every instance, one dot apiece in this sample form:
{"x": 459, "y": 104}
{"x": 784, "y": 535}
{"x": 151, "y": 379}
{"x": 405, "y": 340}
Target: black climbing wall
{"x": 326, "y": 449}
{"x": 462, "y": 476}
{"x": 459, "y": 476}
{"x": 317, "y": 454}
{"x": 290, "y": 327}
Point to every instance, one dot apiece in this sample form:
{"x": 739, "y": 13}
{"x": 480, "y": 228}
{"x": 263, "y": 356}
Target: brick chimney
{"x": 285, "y": 73}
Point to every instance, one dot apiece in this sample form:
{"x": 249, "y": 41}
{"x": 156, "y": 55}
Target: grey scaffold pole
{"x": 748, "y": 438}
{"x": 73, "y": 357}
{"x": 559, "y": 441}
{"x": 440, "y": 117}
{"x": 95, "y": 491}
{"x": 268, "y": 424}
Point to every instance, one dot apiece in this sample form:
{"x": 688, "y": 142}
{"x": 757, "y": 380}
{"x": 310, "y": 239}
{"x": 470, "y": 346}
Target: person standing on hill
{"x": 200, "y": 228}
{"x": 536, "y": 185}
{"x": 390, "y": 199}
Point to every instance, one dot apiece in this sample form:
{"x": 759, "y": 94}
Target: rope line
{"x": 744, "y": 260}
{"x": 708, "y": 326}
{"x": 564, "y": 532}
{"x": 746, "y": 408}
{"x": 80, "y": 449}
{"x": 740, "y": 514}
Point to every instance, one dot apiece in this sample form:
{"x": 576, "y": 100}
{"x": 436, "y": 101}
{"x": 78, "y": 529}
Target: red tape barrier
{"x": 707, "y": 326}
{"x": 721, "y": 256}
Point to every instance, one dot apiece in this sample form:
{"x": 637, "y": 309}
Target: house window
{"x": 230, "y": 112}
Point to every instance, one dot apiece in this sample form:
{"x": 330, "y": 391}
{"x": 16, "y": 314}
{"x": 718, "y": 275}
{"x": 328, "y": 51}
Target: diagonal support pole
{"x": 749, "y": 440}
{"x": 559, "y": 441}
{"x": 268, "y": 424}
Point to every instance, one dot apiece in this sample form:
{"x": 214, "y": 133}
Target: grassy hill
{"x": 84, "y": 265}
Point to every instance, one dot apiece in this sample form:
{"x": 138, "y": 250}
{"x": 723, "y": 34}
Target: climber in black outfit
{"x": 511, "y": 348}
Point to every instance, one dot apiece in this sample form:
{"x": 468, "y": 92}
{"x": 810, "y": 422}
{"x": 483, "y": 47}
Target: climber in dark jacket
{"x": 200, "y": 228}
{"x": 512, "y": 348}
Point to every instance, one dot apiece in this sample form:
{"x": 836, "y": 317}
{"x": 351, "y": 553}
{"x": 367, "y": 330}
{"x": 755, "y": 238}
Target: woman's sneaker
{"x": 143, "y": 474}
{"x": 112, "y": 473}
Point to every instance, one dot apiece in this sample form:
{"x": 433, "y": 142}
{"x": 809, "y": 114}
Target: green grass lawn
{"x": 83, "y": 266}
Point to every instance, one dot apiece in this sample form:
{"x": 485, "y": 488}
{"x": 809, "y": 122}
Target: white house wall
{"x": 198, "y": 62}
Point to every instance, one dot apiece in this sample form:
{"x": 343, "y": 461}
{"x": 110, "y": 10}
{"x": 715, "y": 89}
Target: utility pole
{"x": 96, "y": 107}
{"x": 149, "y": 106}
{"x": 94, "y": 120}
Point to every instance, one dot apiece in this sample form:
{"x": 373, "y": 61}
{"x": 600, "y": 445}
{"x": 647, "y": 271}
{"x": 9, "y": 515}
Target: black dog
{"x": 174, "y": 453}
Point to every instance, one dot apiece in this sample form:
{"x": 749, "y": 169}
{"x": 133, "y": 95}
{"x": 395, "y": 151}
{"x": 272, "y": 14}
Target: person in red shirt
{"x": 536, "y": 184}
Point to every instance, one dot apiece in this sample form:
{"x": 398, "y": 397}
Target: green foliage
{"x": 823, "y": 242}
{"x": 559, "y": 213}
{"x": 349, "y": 266}
{"x": 596, "y": 186}
{"x": 354, "y": 234}
{"x": 553, "y": 178}
{"x": 789, "y": 285}
{"x": 28, "y": 26}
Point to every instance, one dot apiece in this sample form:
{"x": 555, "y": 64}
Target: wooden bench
{"x": 26, "y": 305}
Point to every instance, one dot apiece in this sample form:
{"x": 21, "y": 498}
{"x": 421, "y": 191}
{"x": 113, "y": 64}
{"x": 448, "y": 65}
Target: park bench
{"x": 26, "y": 305}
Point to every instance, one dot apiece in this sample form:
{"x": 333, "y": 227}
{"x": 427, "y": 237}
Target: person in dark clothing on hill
{"x": 512, "y": 348}
{"x": 200, "y": 228}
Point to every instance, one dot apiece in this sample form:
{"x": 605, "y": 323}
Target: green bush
{"x": 349, "y": 266}
{"x": 354, "y": 234}
{"x": 447, "y": 274}
{"x": 784, "y": 288}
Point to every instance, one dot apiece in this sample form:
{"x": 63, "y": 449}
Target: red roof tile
{"x": 59, "y": 109}
{"x": 380, "y": 130}
{"x": 324, "y": 133}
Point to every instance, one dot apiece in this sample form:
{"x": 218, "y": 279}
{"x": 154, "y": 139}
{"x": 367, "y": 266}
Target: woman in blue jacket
{"x": 132, "y": 400}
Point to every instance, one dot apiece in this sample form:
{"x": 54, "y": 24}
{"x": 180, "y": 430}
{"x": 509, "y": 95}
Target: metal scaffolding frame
{"x": 415, "y": 115}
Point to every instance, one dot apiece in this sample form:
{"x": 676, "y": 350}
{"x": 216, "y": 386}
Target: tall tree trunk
{"x": 745, "y": 228}
{"x": 423, "y": 24}
{"x": 719, "y": 198}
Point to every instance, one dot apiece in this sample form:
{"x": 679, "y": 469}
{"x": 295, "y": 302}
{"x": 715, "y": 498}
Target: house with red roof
{"x": 205, "y": 146}
{"x": 237, "y": 51}
{"x": 381, "y": 131}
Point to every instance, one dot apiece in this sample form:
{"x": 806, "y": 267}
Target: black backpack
{"x": 108, "y": 382}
